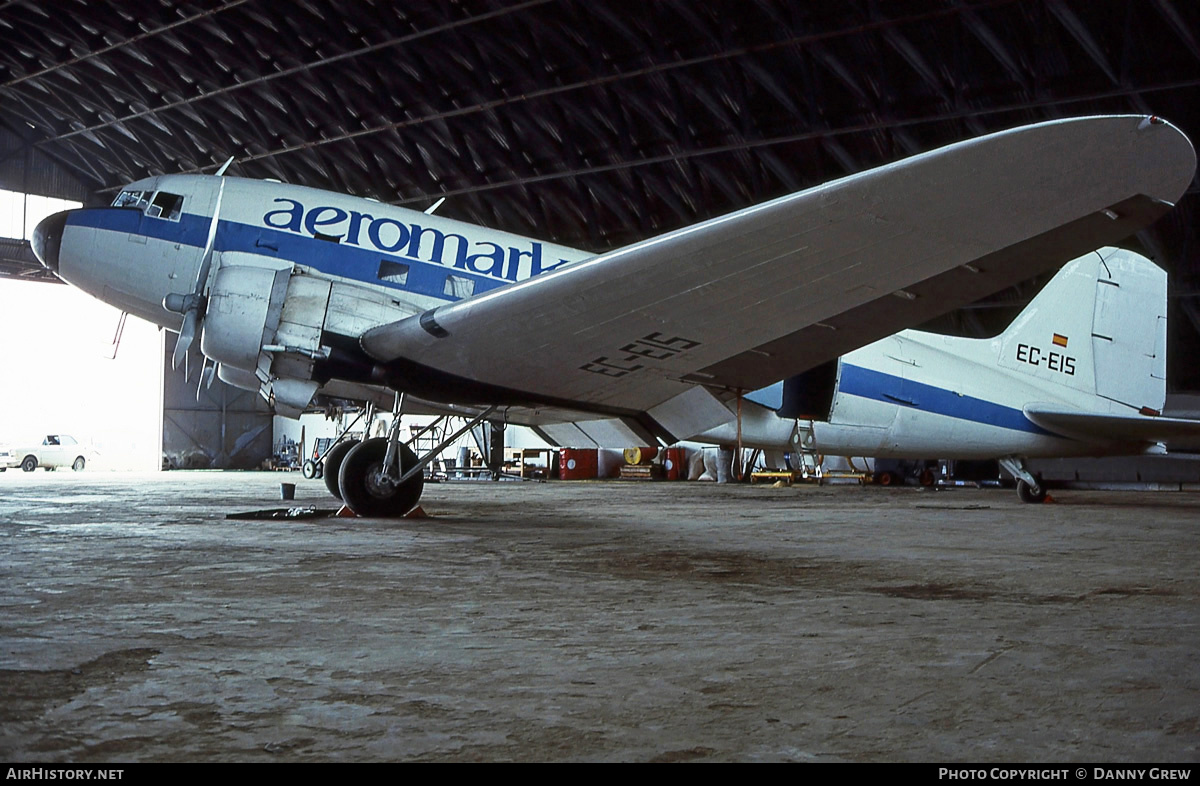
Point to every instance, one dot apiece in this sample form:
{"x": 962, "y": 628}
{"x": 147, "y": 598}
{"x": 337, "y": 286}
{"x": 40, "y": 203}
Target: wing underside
{"x": 738, "y": 302}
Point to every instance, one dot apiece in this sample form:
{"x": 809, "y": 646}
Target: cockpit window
{"x": 138, "y": 199}
{"x": 165, "y": 205}
{"x": 160, "y": 205}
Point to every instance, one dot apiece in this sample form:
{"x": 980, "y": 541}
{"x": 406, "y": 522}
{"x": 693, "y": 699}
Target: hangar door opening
{"x": 58, "y": 376}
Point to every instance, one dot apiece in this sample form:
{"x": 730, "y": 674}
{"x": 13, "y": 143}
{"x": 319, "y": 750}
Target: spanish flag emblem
{"x": 1060, "y": 340}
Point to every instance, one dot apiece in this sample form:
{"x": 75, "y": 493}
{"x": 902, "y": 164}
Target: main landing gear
{"x": 382, "y": 476}
{"x": 1029, "y": 487}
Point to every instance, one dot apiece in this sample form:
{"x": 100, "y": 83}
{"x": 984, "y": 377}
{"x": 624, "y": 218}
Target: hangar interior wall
{"x": 223, "y": 428}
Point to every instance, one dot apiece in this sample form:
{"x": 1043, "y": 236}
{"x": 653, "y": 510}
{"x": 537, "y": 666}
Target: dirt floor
{"x": 617, "y": 621}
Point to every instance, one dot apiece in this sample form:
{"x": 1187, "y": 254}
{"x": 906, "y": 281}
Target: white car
{"x": 56, "y": 450}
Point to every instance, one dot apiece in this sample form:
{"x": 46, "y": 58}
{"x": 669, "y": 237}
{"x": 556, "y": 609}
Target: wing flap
{"x": 767, "y": 292}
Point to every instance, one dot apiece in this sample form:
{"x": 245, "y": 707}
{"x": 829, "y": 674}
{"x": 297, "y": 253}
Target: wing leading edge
{"x": 743, "y": 300}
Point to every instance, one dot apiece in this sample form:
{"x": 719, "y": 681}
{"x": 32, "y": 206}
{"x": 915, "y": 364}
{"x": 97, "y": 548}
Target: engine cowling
{"x": 246, "y": 380}
{"x": 244, "y": 306}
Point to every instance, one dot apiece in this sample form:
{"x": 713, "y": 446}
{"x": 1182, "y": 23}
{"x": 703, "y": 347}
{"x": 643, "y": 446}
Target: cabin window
{"x": 165, "y": 206}
{"x": 136, "y": 199}
{"x": 393, "y": 272}
{"x": 459, "y": 287}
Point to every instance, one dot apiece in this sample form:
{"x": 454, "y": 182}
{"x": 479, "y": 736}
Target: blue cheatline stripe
{"x": 890, "y": 389}
{"x": 334, "y": 259}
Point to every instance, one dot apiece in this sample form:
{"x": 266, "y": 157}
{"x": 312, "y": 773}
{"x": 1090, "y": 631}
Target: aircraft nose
{"x": 47, "y": 237}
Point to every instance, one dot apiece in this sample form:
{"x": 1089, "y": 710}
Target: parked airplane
{"x": 308, "y": 296}
{"x": 1081, "y": 371}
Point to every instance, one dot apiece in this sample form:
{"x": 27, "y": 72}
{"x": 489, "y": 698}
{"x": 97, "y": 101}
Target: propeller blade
{"x": 205, "y": 371}
{"x": 187, "y": 334}
{"x": 210, "y": 241}
{"x": 192, "y": 316}
{"x": 209, "y": 374}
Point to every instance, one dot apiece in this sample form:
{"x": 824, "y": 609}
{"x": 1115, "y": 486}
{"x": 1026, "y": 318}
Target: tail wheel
{"x": 79, "y": 464}
{"x": 1027, "y": 493}
{"x": 29, "y": 464}
{"x": 332, "y": 465}
{"x": 365, "y": 492}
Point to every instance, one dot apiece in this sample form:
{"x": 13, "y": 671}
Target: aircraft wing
{"x": 741, "y": 301}
{"x": 1176, "y": 433}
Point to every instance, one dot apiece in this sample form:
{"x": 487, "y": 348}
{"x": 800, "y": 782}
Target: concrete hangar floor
{"x": 596, "y": 621}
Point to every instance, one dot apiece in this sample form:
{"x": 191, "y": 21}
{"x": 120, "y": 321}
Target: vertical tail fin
{"x": 1099, "y": 326}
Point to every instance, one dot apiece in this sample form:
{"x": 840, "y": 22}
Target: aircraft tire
{"x": 29, "y": 464}
{"x": 331, "y": 466}
{"x": 1027, "y": 494}
{"x": 366, "y": 497}
{"x": 80, "y": 463}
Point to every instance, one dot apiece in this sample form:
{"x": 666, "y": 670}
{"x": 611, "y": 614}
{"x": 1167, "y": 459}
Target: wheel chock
{"x": 416, "y": 513}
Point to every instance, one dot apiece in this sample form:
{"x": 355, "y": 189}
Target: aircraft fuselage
{"x": 133, "y": 256}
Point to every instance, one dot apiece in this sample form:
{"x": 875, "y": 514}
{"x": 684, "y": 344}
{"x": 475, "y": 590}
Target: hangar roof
{"x": 585, "y": 122}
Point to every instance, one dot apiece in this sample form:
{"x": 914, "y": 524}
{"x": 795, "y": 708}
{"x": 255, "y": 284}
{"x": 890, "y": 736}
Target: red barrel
{"x": 640, "y": 455}
{"x": 675, "y": 464}
{"x": 577, "y": 464}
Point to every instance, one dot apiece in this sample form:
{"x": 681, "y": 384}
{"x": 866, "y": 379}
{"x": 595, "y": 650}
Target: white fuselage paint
{"x": 948, "y": 390}
{"x": 391, "y": 255}
{"x": 922, "y": 395}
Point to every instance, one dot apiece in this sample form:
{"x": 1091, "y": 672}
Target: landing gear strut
{"x": 1029, "y": 488}
{"x": 383, "y": 476}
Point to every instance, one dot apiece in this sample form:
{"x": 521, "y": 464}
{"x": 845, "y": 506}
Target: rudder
{"x": 1099, "y": 326}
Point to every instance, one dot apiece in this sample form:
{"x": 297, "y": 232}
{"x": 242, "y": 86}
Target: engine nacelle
{"x": 246, "y": 380}
{"x": 265, "y": 324}
{"x": 244, "y": 305}
{"x": 291, "y": 397}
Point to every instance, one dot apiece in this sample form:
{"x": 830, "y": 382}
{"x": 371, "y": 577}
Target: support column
{"x": 496, "y": 449}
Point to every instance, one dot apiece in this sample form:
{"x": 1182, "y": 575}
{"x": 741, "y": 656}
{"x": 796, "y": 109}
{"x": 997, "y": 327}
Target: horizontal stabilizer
{"x": 1176, "y": 433}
